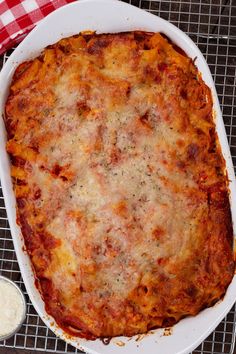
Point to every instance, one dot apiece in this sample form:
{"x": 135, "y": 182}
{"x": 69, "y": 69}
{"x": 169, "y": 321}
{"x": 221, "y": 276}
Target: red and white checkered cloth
{"x": 18, "y": 18}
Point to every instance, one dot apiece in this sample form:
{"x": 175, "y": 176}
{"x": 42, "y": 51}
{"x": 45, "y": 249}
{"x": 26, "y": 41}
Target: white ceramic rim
{"x": 113, "y": 16}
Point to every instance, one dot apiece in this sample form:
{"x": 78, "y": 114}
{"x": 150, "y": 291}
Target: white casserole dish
{"x": 112, "y": 16}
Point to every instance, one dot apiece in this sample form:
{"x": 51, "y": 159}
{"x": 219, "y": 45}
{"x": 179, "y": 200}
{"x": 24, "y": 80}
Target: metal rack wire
{"x": 212, "y": 26}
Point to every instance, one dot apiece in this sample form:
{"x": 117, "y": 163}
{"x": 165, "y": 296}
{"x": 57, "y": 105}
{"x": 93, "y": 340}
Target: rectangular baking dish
{"x": 112, "y": 16}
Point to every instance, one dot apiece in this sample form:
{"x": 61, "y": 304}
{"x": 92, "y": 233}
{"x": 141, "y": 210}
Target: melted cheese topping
{"x": 119, "y": 182}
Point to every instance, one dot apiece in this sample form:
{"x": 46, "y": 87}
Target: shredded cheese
{"x": 11, "y": 308}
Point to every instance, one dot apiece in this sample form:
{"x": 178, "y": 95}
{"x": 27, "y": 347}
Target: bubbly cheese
{"x": 123, "y": 183}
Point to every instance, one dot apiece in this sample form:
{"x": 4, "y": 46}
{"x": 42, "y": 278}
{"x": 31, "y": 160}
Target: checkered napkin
{"x": 18, "y": 18}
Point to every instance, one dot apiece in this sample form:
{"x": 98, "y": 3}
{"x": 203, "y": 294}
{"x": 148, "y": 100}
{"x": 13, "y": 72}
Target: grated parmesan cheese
{"x": 11, "y": 308}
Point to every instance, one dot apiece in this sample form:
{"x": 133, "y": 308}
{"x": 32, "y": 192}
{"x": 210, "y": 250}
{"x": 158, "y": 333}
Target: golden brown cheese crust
{"x": 120, "y": 183}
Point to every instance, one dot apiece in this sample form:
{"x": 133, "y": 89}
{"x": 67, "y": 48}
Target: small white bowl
{"x": 8, "y": 335}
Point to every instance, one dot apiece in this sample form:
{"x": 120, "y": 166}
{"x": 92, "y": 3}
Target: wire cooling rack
{"x": 212, "y": 26}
